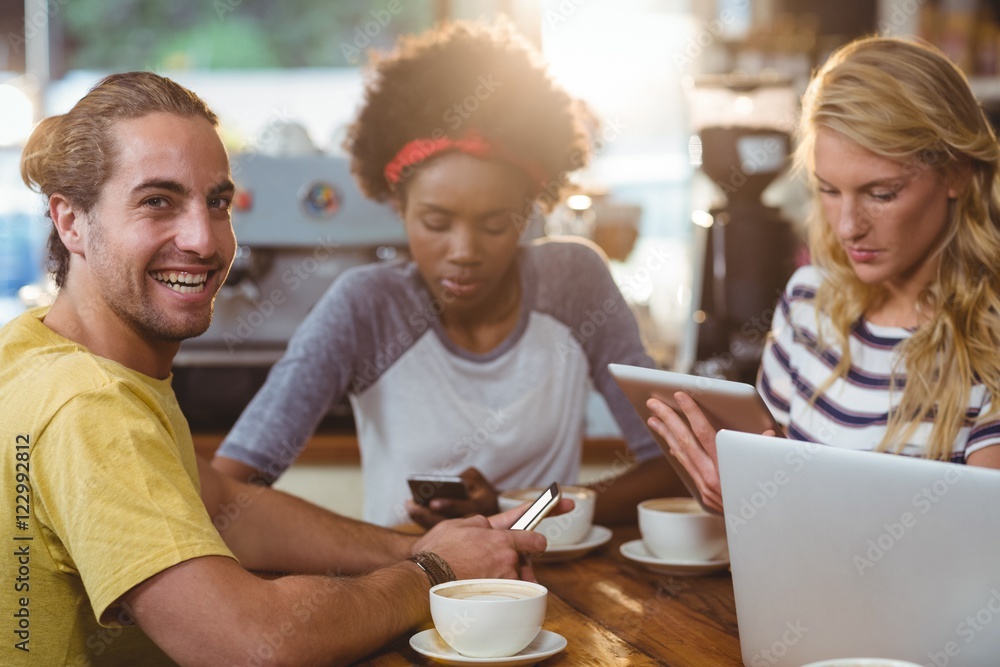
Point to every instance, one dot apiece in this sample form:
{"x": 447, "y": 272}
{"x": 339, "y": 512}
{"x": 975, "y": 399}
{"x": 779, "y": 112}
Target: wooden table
{"x": 616, "y": 614}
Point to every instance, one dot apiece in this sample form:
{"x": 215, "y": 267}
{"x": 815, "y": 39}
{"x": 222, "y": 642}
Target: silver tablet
{"x": 727, "y": 405}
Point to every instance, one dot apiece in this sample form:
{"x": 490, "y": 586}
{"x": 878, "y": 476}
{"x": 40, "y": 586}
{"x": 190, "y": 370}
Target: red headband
{"x": 419, "y": 150}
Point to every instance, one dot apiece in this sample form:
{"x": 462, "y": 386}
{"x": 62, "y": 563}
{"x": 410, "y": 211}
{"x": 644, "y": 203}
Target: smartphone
{"x": 542, "y": 505}
{"x": 428, "y": 487}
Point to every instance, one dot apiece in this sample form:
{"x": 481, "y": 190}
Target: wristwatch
{"x": 435, "y": 567}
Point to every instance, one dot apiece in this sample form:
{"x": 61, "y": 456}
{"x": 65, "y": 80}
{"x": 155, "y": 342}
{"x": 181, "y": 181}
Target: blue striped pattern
{"x": 853, "y": 411}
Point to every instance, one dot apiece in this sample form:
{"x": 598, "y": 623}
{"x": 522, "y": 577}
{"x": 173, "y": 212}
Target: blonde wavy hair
{"x": 906, "y": 101}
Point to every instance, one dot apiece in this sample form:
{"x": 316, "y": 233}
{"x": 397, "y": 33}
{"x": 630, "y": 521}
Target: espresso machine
{"x": 746, "y": 249}
{"x": 300, "y": 222}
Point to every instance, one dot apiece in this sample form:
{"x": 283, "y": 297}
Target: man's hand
{"x": 482, "y": 500}
{"x": 479, "y": 547}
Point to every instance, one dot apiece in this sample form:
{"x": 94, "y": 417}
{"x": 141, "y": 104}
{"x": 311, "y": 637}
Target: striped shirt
{"x": 852, "y": 413}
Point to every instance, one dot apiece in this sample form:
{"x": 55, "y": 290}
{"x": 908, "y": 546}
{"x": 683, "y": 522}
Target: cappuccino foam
{"x": 496, "y": 592}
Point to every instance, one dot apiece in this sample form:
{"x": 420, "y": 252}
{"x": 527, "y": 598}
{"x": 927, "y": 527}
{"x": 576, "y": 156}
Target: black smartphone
{"x": 542, "y": 505}
{"x": 427, "y": 487}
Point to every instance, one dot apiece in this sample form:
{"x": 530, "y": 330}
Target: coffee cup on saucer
{"x": 678, "y": 529}
{"x": 862, "y": 662}
{"x": 564, "y": 529}
{"x": 488, "y": 618}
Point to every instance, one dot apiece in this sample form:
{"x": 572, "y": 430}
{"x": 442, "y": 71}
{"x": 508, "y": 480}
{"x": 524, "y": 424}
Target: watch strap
{"x": 435, "y": 567}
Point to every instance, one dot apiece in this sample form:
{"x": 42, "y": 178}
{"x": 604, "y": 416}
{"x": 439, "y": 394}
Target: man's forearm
{"x": 269, "y": 530}
{"x": 382, "y": 605}
{"x": 210, "y": 611}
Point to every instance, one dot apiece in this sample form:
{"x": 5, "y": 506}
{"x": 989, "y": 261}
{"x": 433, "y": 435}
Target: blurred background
{"x": 688, "y": 192}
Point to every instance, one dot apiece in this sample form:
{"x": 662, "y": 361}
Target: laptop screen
{"x": 839, "y": 553}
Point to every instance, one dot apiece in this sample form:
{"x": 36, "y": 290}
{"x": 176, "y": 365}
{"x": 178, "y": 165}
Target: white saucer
{"x": 636, "y": 552}
{"x": 429, "y": 643}
{"x": 597, "y": 536}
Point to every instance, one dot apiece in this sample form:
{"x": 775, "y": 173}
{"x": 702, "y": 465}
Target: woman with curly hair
{"x": 477, "y": 356}
{"x": 891, "y": 340}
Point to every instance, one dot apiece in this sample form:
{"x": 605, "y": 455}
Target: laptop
{"x": 838, "y": 553}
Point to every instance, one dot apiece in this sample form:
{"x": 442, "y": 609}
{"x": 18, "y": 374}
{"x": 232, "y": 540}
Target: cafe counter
{"x": 341, "y": 447}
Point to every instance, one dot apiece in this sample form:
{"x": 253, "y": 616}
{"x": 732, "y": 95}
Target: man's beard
{"x": 136, "y": 306}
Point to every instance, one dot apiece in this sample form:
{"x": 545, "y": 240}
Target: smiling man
{"x": 113, "y": 556}
{"x": 154, "y": 249}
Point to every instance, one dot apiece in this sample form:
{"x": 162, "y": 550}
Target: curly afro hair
{"x": 463, "y": 77}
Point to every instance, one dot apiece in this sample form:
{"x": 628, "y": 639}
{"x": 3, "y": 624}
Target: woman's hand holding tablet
{"x": 685, "y": 412}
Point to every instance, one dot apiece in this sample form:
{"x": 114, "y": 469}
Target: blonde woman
{"x": 891, "y": 340}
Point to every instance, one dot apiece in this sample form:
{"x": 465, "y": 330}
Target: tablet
{"x": 727, "y": 405}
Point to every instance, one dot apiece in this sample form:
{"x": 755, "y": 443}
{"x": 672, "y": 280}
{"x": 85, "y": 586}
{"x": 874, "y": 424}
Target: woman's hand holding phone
{"x": 482, "y": 499}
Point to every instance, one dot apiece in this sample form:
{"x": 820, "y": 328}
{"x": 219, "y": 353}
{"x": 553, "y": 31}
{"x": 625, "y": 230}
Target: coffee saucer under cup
{"x": 430, "y": 644}
{"x": 862, "y": 662}
{"x": 598, "y": 536}
{"x": 637, "y": 552}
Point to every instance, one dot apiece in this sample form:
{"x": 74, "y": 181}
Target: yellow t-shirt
{"x": 101, "y": 491}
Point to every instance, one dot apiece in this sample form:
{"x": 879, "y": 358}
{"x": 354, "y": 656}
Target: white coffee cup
{"x": 678, "y": 529}
{"x": 563, "y": 529}
{"x": 488, "y": 618}
{"x": 862, "y": 662}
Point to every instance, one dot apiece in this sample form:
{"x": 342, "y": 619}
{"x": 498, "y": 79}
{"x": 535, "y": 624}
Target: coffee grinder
{"x": 746, "y": 248}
